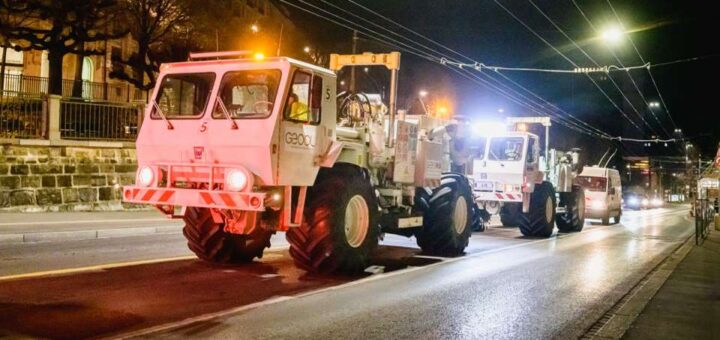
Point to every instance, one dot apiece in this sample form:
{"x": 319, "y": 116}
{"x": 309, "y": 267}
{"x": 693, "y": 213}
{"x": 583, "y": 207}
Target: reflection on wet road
{"x": 505, "y": 287}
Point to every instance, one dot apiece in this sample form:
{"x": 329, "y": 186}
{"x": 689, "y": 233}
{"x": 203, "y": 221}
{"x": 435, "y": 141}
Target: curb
{"x": 77, "y": 235}
{"x": 622, "y": 315}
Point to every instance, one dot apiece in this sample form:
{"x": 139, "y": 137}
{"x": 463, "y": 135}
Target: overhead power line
{"x": 427, "y": 56}
{"x": 435, "y": 58}
{"x": 632, "y": 79}
{"x": 667, "y": 111}
{"x": 462, "y": 56}
{"x": 521, "y": 22}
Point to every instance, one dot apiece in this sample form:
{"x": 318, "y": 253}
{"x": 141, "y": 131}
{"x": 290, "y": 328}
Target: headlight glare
{"x": 145, "y": 176}
{"x": 236, "y": 180}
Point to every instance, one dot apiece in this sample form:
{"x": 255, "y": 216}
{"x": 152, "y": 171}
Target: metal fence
{"x": 23, "y": 117}
{"x": 93, "y": 121}
{"x": 18, "y": 85}
{"x": 704, "y": 215}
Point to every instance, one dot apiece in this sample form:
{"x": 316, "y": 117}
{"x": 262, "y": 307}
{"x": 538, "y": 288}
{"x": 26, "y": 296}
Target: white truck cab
{"x": 603, "y": 192}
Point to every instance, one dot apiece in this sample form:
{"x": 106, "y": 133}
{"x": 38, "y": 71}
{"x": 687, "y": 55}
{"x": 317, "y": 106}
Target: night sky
{"x": 662, "y": 31}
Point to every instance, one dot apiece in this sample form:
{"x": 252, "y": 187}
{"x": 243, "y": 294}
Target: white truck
{"x": 603, "y": 193}
{"x": 247, "y": 147}
{"x": 525, "y": 188}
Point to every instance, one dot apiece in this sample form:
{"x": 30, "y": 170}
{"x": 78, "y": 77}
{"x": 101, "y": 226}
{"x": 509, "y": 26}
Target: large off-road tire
{"x": 618, "y": 217}
{"x": 540, "y": 220}
{"x": 340, "y": 225}
{"x": 447, "y": 223}
{"x": 573, "y": 219}
{"x": 509, "y": 214}
{"x": 208, "y": 239}
{"x": 480, "y": 218}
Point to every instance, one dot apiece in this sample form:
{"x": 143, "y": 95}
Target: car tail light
{"x": 145, "y": 176}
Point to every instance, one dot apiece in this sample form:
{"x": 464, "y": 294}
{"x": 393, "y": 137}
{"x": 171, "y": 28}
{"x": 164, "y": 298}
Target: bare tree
{"x": 58, "y": 26}
{"x": 156, "y": 26}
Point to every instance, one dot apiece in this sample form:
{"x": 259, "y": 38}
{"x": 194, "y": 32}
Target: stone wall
{"x": 64, "y": 177}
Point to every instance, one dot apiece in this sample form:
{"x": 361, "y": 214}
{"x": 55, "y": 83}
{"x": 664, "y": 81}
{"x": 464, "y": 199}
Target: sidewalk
{"x": 66, "y": 226}
{"x": 687, "y": 306}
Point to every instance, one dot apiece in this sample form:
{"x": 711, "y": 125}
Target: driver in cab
{"x": 295, "y": 109}
{"x": 512, "y": 151}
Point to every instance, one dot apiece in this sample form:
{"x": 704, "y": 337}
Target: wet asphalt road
{"x": 506, "y": 287}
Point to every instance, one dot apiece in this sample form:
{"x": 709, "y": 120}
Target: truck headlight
{"x": 145, "y": 176}
{"x": 236, "y": 180}
{"x": 633, "y": 201}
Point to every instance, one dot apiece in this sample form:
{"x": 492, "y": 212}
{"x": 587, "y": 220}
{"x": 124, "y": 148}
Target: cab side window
{"x": 531, "y": 151}
{"x": 303, "y": 101}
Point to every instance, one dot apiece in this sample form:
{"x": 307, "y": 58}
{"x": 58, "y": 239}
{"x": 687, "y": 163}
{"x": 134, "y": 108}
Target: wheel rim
{"x": 460, "y": 215}
{"x": 357, "y": 221}
{"x": 548, "y": 210}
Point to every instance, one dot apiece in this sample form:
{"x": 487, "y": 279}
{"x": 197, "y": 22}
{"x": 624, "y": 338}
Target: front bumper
{"x": 247, "y": 201}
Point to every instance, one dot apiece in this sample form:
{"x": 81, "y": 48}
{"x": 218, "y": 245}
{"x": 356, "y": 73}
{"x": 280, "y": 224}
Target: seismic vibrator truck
{"x": 241, "y": 146}
{"x": 528, "y": 190}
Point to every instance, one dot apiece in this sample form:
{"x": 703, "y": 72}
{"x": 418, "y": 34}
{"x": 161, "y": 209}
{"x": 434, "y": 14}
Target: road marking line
{"x": 92, "y": 268}
{"x": 7, "y": 224}
{"x": 229, "y": 312}
{"x": 101, "y": 267}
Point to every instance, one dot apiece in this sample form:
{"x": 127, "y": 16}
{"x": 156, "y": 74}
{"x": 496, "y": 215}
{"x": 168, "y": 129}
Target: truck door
{"x": 302, "y": 139}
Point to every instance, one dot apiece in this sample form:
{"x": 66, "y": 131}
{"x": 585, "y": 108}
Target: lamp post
{"x": 422, "y": 94}
{"x": 255, "y": 28}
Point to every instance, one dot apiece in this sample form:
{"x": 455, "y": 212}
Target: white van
{"x": 603, "y": 193}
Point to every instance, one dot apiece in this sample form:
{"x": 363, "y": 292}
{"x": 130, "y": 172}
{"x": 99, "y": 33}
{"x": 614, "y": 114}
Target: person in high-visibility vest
{"x": 295, "y": 109}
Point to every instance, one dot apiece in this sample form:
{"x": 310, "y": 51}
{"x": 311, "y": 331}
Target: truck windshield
{"x": 506, "y": 149}
{"x": 248, "y": 94}
{"x": 183, "y": 95}
{"x": 592, "y": 183}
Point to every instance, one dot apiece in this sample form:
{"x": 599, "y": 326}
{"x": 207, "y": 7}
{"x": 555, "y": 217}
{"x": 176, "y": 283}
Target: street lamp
{"x": 306, "y": 49}
{"x": 612, "y": 35}
{"x": 422, "y": 94}
{"x": 255, "y": 28}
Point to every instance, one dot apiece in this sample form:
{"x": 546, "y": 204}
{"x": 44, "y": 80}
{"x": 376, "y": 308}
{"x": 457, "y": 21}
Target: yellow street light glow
{"x": 612, "y": 35}
{"x": 259, "y": 56}
{"x": 255, "y": 28}
{"x": 306, "y": 49}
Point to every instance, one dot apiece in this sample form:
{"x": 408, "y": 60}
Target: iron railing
{"x": 23, "y": 117}
{"x": 704, "y": 216}
{"x": 17, "y": 85}
{"x": 94, "y": 121}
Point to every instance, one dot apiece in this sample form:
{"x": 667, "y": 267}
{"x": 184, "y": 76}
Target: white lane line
{"x": 129, "y": 220}
{"x": 106, "y": 266}
{"x": 210, "y": 316}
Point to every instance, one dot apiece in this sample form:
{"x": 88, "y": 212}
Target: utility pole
{"x": 352, "y": 68}
{"x": 282, "y": 25}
